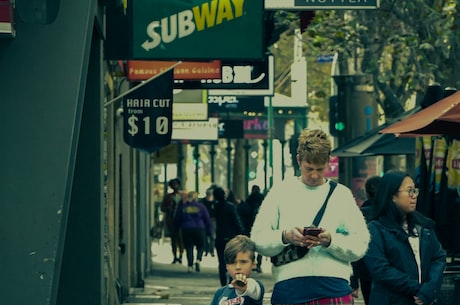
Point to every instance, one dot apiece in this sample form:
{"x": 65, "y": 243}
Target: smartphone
{"x": 312, "y": 231}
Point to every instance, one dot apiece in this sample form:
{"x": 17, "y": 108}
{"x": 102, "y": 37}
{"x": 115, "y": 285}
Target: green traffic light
{"x": 340, "y": 126}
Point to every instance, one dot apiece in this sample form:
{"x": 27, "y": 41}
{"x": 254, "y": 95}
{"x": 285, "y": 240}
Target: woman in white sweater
{"x": 322, "y": 275}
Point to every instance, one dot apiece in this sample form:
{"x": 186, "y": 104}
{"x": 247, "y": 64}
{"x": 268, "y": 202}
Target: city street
{"x": 171, "y": 284}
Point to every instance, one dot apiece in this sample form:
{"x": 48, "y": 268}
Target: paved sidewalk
{"x": 171, "y": 284}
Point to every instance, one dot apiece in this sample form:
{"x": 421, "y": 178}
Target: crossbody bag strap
{"x": 320, "y": 213}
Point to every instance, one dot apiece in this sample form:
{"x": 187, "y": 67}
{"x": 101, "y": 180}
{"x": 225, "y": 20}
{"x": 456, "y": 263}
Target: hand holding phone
{"x": 312, "y": 231}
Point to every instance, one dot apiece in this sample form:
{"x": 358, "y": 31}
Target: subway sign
{"x": 197, "y": 29}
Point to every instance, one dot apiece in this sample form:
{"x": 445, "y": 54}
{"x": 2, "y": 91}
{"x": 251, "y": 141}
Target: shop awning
{"x": 374, "y": 143}
{"x": 441, "y": 118}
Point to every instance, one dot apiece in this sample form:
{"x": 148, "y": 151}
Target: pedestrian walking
{"x": 228, "y": 225}
{"x": 195, "y": 224}
{"x": 209, "y": 203}
{"x": 171, "y": 201}
{"x": 312, "y": 229}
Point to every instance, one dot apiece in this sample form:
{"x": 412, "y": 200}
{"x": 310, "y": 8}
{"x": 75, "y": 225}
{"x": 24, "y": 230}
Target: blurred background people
{"x": 248, "y": 211}
{"x": 361, "y": 275}
{"x": 169, "y": 205}
{"x": 228, "y": 225}
{"x": 193, "y": 219}
{"x": 209, "y": 203}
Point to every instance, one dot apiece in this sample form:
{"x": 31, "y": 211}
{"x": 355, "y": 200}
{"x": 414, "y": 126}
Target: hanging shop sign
{"x": 195, "y": 130}
{"x": 179, "y": 29}
{"x": 190, "y": 105}
{"x": 145, "y": 69}
{"x": 253, "y": 77}
{"x": 147, "y": 114}
{"x": 321, "y": 4}
{"x": 239, "y": 104}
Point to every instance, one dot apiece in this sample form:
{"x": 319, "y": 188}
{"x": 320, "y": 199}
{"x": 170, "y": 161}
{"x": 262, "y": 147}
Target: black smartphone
{"x": 312, "y": 231}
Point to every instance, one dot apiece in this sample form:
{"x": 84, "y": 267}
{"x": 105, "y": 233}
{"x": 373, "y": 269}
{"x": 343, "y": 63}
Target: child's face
{"x": 243, "y": 264}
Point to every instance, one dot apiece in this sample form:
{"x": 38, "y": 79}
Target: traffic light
{"x": 336, "y": 118}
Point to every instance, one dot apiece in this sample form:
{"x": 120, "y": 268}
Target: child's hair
{"x": 239, "y": 243}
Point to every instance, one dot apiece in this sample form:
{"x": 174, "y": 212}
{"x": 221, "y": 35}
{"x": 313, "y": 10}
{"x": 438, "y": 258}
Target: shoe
{"x": 189, "y": 269}
{"x": 179, "y": 260}
{"x": 197, "y": 266}
{"x": 174, "y": 260}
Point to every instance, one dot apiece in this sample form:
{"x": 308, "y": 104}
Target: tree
{"x": 404, "y": 45}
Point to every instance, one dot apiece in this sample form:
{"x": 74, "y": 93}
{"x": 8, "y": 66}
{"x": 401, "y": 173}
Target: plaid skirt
{"x": 345, "y": 300}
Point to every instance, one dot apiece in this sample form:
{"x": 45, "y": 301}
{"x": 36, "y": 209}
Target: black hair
{"x": 385, "y": 209}
{"x": 172, "y": 181}
{"x": 219, "y": 194}
{"x": 371, "y": 185}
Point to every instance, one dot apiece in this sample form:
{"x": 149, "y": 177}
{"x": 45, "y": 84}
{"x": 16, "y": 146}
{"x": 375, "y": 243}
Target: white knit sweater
{"x": 294, "y": 204}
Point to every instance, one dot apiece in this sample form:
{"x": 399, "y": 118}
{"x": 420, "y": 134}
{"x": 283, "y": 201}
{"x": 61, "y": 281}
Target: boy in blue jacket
{"x": 239, "y": 256}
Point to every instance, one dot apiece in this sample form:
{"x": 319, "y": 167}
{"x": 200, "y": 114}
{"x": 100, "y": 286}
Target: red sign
{"x": 6, "y": 19}
{"x": 142, "y": 70}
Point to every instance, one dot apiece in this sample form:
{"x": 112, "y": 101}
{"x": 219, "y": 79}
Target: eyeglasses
{"x": 412, "y": 192}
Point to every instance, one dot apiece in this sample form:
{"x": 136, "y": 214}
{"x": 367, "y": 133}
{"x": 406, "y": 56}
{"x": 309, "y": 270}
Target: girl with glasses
{"x": 405, "y": 258}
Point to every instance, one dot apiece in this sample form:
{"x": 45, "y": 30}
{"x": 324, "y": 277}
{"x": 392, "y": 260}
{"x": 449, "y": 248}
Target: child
{"x": 239, "y": 257}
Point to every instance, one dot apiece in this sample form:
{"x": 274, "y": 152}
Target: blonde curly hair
{"x": 314, "y": 146}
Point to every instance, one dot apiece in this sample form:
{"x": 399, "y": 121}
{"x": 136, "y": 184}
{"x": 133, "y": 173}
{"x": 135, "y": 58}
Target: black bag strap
{"x": 320, "y": 213}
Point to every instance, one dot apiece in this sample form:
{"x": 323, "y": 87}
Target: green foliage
{"x": 404, "y": 45}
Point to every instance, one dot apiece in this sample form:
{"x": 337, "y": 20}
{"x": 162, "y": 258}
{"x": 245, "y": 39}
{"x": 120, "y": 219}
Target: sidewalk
{"x": 171, "y": 284}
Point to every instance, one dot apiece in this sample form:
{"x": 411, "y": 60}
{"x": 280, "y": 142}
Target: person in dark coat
{"x": 228, "y": 225}
{"x": 248, "y": 211}
{"x": 405, "y": 258}
{"x": 170, "y": 204}
{"x": 361, "y": 275}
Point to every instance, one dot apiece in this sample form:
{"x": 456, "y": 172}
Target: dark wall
{"x": 43, "y": 75}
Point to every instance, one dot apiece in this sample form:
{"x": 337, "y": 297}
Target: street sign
{"x": 321, "y": 4}
{"x": 147, "y": 114}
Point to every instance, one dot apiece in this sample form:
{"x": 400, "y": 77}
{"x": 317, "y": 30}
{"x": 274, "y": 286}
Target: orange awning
{"x": 441, "y": 118}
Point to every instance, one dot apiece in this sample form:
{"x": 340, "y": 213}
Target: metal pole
{"x": 283, "y": 166}
{"x": 229, "y": 163}
{"x": 246, "y": 165}
{"x": 264, "y": 144}
{"x": 270, "y": 140}
{"x": 196, "y": 156}
{"x": 212, "y": 152}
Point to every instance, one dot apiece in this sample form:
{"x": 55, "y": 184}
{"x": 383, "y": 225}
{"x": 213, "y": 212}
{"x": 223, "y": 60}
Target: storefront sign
{"x": 179, "y": 29}
{"x": 253, "y": 77}
{"x": 145, "y": 69}
{"x": 147, "y": 114}
{"x": 240, "y": 104}
{"x": 196, "y": 130}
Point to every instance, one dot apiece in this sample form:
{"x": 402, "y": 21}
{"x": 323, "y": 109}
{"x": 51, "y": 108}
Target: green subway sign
{"x": 321, "y": 4}
{"x": 197, "y": 29}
